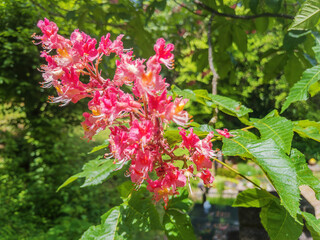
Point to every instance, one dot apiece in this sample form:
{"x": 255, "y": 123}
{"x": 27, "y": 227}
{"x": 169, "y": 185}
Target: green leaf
{"x": 228, "y": 105}
{"x": 281, "y": 172}
{"x": 293, "y": 69}
{"x": 275, "y": 163}
{"x": 261, "y": 24}
{"x": 225, "y": 36}
{"x": 307, "y": 123}
{"x": 300, "y": 90}
{"x": 186, "y": 93}
{"x": 253, "y": 5}
{"x": 316, "y": 48}
{"x": 225, "y": 104}
{"x": 236, "y": 146}
{"x": 240, "y": 38}
{"x": 177, "y": 225}
{"x": 293, "y": 38}
{"x": 97, "y": 148}
{"x": 278, "y": 222}
{"x": 139, "y": 212}
{"x": 108, "y": 228}
{"x": 274, "y": 66}
{"x": 173, "y": 137}
{"x": 181, "y": 202}
{"x": 313, "y": 225}
{"x": 277, "y": 128}
{"x": 308, "y": 16}
{"x": 253, "y": 198}
{"x": 304, "y": 174}
{"x": 68, "y": 181}
{"x": 273, "y": 113}
{"x": 274, "y": 5}
{"x": 314, "y": 89}
{"x": 125, "y": 188}
{"x": 308, "y": 129}
{"x": 95, "y": 171}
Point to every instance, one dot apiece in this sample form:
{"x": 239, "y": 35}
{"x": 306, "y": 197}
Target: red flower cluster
{"x": 137, "y": 120}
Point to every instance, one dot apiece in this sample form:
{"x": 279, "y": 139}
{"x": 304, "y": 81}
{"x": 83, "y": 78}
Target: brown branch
{"x": 188, "y": 9}
{"x": 215, "y": 76}
{"x": 244, "y": 17}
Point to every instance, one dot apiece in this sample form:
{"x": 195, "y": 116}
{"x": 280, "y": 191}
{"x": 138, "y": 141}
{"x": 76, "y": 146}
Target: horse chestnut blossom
{"x": 136, "y": 121}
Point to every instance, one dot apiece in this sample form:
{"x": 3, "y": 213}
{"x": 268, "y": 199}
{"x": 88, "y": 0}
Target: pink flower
{"x": 128, "y": 70}
{"x": 174, "y": 112}
{"x": 157, "y": 104}
{"x": 206, "y": 177}
{"x": 106, "y": 46}
{"x": 189, "y": 141}
{"x": 49, "y": 30}
{"x": 163, "y": 52}
{"x": 224, "y": 133}
{"x": 84, "y": 45}
{"x": 70, "y": 88}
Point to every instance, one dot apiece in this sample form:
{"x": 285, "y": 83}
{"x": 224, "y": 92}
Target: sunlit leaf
{"x": 108, "y": 228}
{"x": 253, "y": 198}
{"x": 236, "y": 146}
{"x": 277, "y": 128}
{"x": 308, "y": 129}
{"x": 299, "y": 91}
{"x": 177, "y": 225}
{"x": 278, "y": 222}
{"x": 313, "y": 225}
{"x": 281, "y": 172}
{"x": 95, "y": 171}
{"x": 308, "y": 16}
{"x": 304, "y": 174}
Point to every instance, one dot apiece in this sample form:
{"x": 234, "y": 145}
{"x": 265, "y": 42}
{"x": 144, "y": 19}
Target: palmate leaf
{"x": 304, "y": 174}
{"x": 95, "y": 171}
{"x": 225, "y": 104}
{"x": 228, "y": 105}
{"x": 281, "y": 172}
{"x": 274, "y": 162}
{"x": 277, "y": 128}
{"x": 308, "y": 129}
{"x": 181, "y": 202}
{"x": 314, "y": 89}
{"x": 139, "y": 212}
{"x": 97, "y": 148}
{"x": 177, "y": 225}
{"x": 253, "y": 198}
{"x": 299, "y": 91}
{"x": 308, "y": 16}
{"x": 107, "y": 230}
{"x": 236, "y": 146}
{"x": 316, "y": 48}
{"x": 279, "y": 224}
{"x": 176, "y": 221}
{"x": 313, "y": 225}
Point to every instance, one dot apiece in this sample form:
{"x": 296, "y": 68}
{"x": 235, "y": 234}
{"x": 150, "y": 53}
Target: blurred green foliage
{"x": 40, "y": 145}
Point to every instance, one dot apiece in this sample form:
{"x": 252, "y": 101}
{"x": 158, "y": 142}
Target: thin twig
{"x": 188, "y": 9}
{"x": 235, "y": 171}
{"x": 244, "y": 17}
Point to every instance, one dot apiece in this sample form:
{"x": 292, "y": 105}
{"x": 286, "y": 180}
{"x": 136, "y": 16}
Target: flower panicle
{"x": 136, "y": 121}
